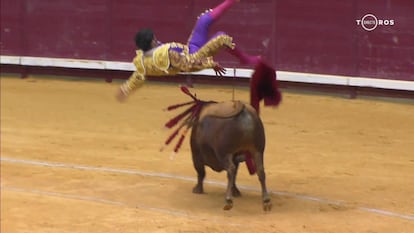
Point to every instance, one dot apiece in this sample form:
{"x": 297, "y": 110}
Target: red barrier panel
{"x": 368, "y": 38}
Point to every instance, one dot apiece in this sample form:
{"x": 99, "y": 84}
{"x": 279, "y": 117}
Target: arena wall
{"x": 364, "y": 43}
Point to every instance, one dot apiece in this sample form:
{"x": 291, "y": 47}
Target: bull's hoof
{"x": 267, "y": 205}
{"x": 198, "y": 189}
{"x": 228, "y": 205}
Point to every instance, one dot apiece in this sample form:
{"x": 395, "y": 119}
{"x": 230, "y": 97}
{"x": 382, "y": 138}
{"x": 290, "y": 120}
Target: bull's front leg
{"x": 231, "y": 176}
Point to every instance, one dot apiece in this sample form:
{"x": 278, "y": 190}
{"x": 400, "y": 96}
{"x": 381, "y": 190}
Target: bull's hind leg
{"x": 201, "y": 173}
{"x": 231, "y": 177}
{"x": 258, "y": 159}
{"x": 200, "y": 178}
{"x": 235, "y": 191}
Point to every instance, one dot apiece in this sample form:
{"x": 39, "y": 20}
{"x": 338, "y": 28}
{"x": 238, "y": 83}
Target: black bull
{"x": 223, "y": 142}
{"x": 225, "y": 134}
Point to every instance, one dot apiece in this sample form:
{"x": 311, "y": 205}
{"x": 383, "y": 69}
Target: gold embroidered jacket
{"x": 173, "y": 58}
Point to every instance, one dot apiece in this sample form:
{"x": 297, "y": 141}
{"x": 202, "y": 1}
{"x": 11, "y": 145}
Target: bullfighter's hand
{"x": 121, "y": 96}
{"x": 220, "y": 70}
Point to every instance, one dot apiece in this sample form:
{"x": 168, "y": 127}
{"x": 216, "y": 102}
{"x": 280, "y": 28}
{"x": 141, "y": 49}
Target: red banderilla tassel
{"x": 176, "y": 119}
{"x": 177, "y": 147}
{"x": 172, "y": 107}
{"x": 189, "y": 121}
{"x": 187, "y": 92}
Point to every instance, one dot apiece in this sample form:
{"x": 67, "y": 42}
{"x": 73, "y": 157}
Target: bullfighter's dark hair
{"x": 143, "y": 39}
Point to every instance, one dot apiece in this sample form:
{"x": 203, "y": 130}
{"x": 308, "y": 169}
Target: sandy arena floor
{"x": 75, "y": 160}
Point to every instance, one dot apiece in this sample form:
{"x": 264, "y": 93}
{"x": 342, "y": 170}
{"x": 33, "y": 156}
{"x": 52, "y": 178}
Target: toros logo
{"x": 369, "y": 22}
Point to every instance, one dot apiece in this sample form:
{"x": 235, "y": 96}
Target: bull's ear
{"x": 263, "y": 85}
